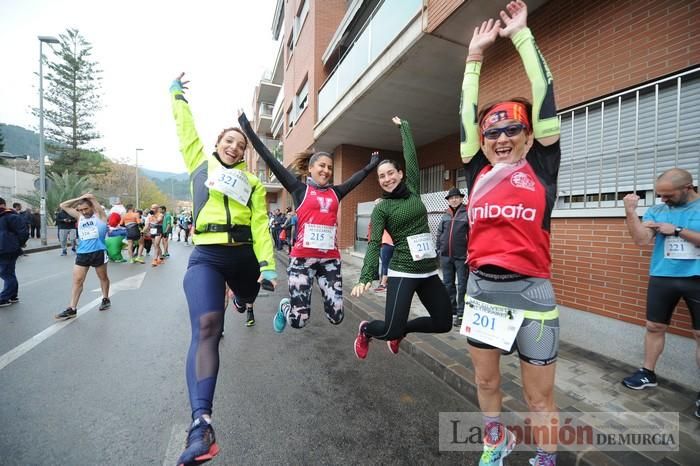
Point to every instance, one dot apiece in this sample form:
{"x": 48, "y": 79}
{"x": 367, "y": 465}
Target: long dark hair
{"x": 303, "y": 160}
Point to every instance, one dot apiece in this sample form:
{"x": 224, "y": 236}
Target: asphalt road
{"x": 108, "y": 387}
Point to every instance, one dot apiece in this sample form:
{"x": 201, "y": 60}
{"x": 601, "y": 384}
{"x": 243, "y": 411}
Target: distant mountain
{"x": 156, "y": 175}
{"x": 20, "y": 141}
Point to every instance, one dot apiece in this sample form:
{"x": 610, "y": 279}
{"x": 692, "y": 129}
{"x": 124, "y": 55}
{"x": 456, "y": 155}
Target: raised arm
{"x": 359, "y": 176}
{"x": 68, "y": 207}
{"x": 409, "y": 155}
{"x": 190, "y": 145}
{"x": 483, "y": 37}
{"x": 545, "y": 122}
{"x": 287, "y": 178}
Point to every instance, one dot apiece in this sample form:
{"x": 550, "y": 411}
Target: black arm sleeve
{"x": 288, "y": 180}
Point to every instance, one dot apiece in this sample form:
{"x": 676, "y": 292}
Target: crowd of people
{"x": 496, "y": 288}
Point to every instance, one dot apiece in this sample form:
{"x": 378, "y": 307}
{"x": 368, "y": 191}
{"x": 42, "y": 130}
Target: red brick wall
{"x": 298, "y": 65}
{"x": 598, "y": 47}
{"x": 349, "y": 159}
{"x": 305, "y": 62}
{"x": 439, "y": 11}
{"x": 596, "y": 267}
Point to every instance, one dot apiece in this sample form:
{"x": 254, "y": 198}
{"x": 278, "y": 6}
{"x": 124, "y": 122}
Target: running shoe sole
{"x": 213, "y": 451}
{"x": 641, "y": 387}
{"x": 59, "y": 317}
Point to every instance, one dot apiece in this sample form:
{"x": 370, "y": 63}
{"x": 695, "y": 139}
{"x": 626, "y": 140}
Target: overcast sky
{"x": 223, "y": 46}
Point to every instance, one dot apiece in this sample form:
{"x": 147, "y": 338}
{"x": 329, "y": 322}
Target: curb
{"x": 48, "y": 247}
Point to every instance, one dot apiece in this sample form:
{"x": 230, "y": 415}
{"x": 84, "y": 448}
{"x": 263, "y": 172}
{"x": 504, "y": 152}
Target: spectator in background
{"x": 36, "y": 223}
{"x": 25, "y": 215}
{"x": 290, "y": 227}
{"x": 277, "y": 221}
{"x": 452, "y": 249}
{"x": 66, "y": 225}
{"x": 13, "y": 235}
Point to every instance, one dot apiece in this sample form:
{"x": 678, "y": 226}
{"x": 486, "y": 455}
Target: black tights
{"x": 399, "y": 294}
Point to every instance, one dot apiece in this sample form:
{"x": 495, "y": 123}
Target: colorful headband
{"x": 506, "y": 111}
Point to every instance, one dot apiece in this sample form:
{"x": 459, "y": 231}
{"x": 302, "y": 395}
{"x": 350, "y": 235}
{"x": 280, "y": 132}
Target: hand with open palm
{"x": 514, "y": 19}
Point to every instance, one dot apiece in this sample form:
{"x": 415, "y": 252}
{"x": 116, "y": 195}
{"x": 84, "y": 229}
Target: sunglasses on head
{"x": 509, "y": 131}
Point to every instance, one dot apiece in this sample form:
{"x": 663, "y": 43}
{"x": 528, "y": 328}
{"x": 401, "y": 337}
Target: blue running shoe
{"x": 279, "y": 322}
{"x": 494, "y": 454}
{"x": 201, "y": 444}
{"x": 641, "y": 379}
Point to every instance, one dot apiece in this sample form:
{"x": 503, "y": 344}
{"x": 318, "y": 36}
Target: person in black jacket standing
{"x": 13, "y": 235}
{"x": 65, "y": 224}
{"x": 452, "y": 248}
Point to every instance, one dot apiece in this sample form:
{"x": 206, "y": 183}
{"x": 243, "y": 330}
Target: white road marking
{"x": 176, "y": 444}
{"x": 25, "y": 347}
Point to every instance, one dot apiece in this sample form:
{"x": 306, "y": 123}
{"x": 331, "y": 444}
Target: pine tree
{"x": 72, "y": 99}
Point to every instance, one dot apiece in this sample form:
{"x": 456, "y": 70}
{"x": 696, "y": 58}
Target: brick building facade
{"x": 594, "y": 49}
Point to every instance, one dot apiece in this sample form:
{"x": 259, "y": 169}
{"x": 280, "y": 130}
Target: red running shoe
{"x": 393, "y": 345}
{"x": 362, "y": 341}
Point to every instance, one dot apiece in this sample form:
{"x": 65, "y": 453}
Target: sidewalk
{"x": 34, "y": 244}
{"x": 585, "y": 381}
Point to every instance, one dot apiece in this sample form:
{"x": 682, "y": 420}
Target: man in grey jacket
{"x": 452, "y": 248}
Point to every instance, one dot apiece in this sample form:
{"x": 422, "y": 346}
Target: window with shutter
{"x": 621, "y": 143}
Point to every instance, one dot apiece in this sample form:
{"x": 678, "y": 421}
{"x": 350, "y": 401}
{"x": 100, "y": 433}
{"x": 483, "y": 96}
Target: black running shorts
{"x": 91, "y": 259}
{"x": 664, "y": 293}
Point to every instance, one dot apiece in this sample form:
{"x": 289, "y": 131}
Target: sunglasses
{"x": 509, "y": 131}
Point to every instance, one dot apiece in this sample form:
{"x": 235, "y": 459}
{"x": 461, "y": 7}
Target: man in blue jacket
{"x": 451, "y": 246}
{"x": 13, "y": 235}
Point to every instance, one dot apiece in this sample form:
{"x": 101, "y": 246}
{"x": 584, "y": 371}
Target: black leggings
{"x": 399, "y": 294}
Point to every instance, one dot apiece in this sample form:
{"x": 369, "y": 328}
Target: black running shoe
{"x": 697, "y": 406}
{"x": 14, "y": 300}
{"x": 200, "y": 446}
{"x": 250, "y": 318}
{"x": 5, "y": 303}
{"x": 239, "y": 306}
{"x": 106, "y": 304}
{"x": 69, "y": 313}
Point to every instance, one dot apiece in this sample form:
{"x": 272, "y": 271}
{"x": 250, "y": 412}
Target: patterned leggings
{"x": 301, "y": 273}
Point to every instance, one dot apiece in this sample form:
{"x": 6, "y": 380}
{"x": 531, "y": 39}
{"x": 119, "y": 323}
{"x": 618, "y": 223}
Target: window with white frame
{"x": 622, "y": 143}
{"x": 291, "y": 117}
{"x": 301, "y": 99}
{"x": 299, "y": 18}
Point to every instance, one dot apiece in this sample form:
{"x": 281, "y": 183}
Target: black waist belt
{"x": 239, "y": 233}
{"x": 497, "y": 274}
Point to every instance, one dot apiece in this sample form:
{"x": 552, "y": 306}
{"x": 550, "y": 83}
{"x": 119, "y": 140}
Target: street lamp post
{"x": 42, "y": 169}
{"x": 137, "y": 177}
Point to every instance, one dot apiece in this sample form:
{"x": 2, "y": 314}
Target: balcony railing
{"x": 265, "y": 110}
{"x": 385, "y": 23}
